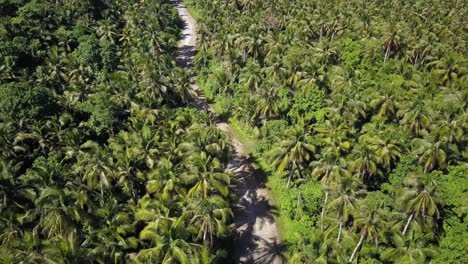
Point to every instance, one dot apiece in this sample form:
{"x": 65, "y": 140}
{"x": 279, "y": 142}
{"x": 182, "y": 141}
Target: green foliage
{"x": 400, "y": 175}
{"x": 362, "y": 91}
{"x": 350, "y": 52}
{"x": 298, "y": 208}
{"x": 88, "y": 52}
{"x": 454, "y": 242}
{"x": 306, "y": 104}
{"x": 100, "y": 160}
{"x": 453, "y": 190}
{"x": 102, "y": 112}
{"x": 271, "y": 130}
{"x": 25, "y": 101}
{"x": 109, "y": 55}
{"x": 455, "y": 225}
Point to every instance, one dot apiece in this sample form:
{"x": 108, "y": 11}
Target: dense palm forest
{"x": 101, "y": 161}
{"x": 358, "y": 109}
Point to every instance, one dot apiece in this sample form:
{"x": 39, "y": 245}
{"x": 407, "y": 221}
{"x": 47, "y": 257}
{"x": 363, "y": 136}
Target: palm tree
{"x": 163, "y": 181}
{"x": 268, "y": 102}
{"x": 64, "y": 249}
{"x": 205, "y": 176}
{"x": 365, "y": 163}
{"x": 252, "y": 45}
{"x": 392, "y": 43}
{"x": 408, "y": 250}
{"x": 450, "y": 131}
{"x": 387, "y": 104}
{"x": 330, "y": 169}
{"x": 386, "y": 150}
{"x": 431, "y": 153}
{"x": 293, "y": 152}
{"x": 335, "y": 136}
{"x": 344, "y": 80}
{"x": 368, "y": 222}
{"x": 94, "y": 167}
{"x": 252, "y": 77}
{"x": 344, "y": 204}
{"x": 106, "y": 30}
{"x": 209, "y": 218}
{"x": 448, "y": 68}
{"x": 168, "y": 247}
{"x": 421, "y": 203}
{"x": 331, "y": 251}
{"x": 420, "y": 53}
{"x": 56, "y": 216}
{"x": 416, "y": 120}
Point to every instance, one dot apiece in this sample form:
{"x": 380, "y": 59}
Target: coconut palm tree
{"x": 408, "y": 250}
{"x": 209, "y": 218}
{"x": 95, "y": 170}
{"x": 368, "y": 222}
{"x": 167, "y": 246}
{"x": 386, "y": 151}
{"x": 421, "y": 202}
{"x": 430, "y": 153}
{"x": 205, "y": 176}
{"x": 344, "y": 204}
{"x": 416, "y": 120}
{"x": 330, "y": 169}
{"x": 365, "y": 164}
{"x": 293, "y": 153}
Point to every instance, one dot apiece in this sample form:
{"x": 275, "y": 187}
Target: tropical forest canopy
{"x": 359, "y": 111}
{"x": 100, "y": 160}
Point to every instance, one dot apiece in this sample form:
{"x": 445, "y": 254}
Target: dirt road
{"x": 256, "y": 235}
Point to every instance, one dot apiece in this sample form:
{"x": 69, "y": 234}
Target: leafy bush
{"x": 25, "y": 101}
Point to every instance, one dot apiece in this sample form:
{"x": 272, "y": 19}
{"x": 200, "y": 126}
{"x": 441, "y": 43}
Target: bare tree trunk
{"x": 339, "y": 232}
{"x": 323, "y": 211}
{"x": 386, "y": 54}
{"x": 298, "y": 201}
{"x": 211, "y": 237}
{"x": 299, "y": 171}
{"x": 204, "y": 234}
{"x": 408, "y": 223}
{"x": 356, "y": 248}
{"x": 290, "y": 176}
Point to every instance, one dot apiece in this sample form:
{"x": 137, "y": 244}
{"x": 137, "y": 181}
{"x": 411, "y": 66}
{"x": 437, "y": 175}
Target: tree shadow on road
{"x": 271, "y": 252}
{"x": 253, "y": 212}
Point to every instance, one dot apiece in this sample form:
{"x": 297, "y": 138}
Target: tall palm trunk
{"x": 408, "y": 223}
{"x": 357, "y": 247}
{"x": 323, "y": 211}
{"x": 290, "y": 175}
{"x": 298, "y": 202}
{"x": 387, "y": 52}
{"x": 289, "y": 179}
{"x": 204, "y": 234}
{"x": 339, "y": 231}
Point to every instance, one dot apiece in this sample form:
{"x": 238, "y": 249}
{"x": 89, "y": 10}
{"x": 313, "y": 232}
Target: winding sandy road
{"x": 256, "y": 235}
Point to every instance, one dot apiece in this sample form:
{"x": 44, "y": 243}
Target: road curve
{"x": 255, "y": 238}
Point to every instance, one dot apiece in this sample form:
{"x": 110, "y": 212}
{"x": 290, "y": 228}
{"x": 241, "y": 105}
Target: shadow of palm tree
{"x": 271, "y": 252}
{"x": 252, "y": 211}
{"x": 185, "y": 56}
